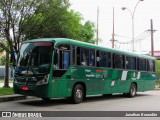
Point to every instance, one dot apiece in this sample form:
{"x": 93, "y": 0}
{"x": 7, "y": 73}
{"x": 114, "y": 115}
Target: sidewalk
{"x": 10, "y": 84}
{"x": 14, "y": 97}
{"x": 5, "y": 98}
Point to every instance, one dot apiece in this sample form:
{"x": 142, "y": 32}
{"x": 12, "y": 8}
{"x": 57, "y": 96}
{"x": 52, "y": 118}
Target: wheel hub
{"x": 78, "y": 93}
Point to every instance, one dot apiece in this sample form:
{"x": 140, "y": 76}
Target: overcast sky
{"x": 145, "y": 11}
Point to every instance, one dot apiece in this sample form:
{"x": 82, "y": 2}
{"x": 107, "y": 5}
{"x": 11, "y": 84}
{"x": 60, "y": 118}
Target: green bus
{"x": 59, "y": 67}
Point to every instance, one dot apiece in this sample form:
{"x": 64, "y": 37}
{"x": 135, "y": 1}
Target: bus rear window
{"x": 150, "y": 65}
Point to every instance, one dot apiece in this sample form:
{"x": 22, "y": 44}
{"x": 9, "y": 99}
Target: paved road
{"x": 144, "y": 101}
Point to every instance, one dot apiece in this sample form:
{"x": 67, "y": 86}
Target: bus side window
{"x": 91, "y": 57}
{"x": 103, "y": 59}
{"x": 141, "y": 63}
{"x": 108, "y": 59}
{"x": 78, "y": 55}
{"x": 66, "y": 59}
{"x": 97, "y": 58}
{"x": 150, "y": 66}
{"x": 84, "y": 57}
{"x": 56, "y": 65}
{"x": 63, "y": 55}
{"x": 130, "y": 63}
{"x": 118, "y": 61}
{"x": 73, "y": 55}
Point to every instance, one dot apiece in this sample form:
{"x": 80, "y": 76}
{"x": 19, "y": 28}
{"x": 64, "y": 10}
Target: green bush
{"x": 158, "y": 83}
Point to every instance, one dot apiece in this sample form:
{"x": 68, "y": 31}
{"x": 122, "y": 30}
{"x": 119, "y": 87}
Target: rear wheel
{"x": 78, "y": 94}
{"x": 133, "y": 90}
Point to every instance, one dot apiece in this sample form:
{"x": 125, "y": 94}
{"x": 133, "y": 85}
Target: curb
{"x": 14, "y": 97}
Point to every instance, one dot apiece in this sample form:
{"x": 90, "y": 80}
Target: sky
{"x": 145, "y": 11}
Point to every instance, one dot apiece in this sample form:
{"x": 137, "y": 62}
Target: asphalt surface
{"x": 144, "y": 101}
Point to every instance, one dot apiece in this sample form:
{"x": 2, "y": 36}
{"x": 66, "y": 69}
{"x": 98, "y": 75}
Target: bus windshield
{"x": 34, "y": 58}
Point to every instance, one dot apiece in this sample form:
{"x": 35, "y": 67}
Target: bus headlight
{"x": 43, "y": 81}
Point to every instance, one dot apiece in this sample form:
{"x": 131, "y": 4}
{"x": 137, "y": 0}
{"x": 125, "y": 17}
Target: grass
{"x": 6, "y": 91}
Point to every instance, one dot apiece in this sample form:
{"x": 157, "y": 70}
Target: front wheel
{"x": 78, "y": 94}
{"x": 133, "y": 90}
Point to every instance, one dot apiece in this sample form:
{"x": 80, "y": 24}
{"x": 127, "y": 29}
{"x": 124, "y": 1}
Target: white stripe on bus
{"x": 124, "y": 75}
{"x": 139, "y": 75}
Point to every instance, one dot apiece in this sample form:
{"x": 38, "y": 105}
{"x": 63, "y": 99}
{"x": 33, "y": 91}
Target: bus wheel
{"x": 133, "y": 90}
{"x": 78, "y": 94}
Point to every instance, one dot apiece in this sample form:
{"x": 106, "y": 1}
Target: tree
{"x": 27, "y": 19}
{"x": 55, "y": 19}
{"x": 2, "y": 60}
{"x": 158, "y": 69}
{"x": 2, "y": 57}
{"x": 87, "y": 32}
{"x": 12, "y": 14}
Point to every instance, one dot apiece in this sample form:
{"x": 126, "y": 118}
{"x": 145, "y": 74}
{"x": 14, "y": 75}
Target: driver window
{"x": 62, "y": 57}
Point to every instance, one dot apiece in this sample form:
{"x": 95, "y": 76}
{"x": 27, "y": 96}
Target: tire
{"x": 77, "y": 94}
{"x": 133, "y": 90}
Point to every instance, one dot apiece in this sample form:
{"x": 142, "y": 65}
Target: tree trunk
{"x": 6, "y": 83}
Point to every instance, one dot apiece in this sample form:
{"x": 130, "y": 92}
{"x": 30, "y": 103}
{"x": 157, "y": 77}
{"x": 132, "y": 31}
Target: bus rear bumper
{"x": 37, "y": 91}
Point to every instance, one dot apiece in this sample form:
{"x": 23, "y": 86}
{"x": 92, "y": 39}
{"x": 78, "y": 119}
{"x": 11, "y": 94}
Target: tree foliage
{"x": 158, "y": 68}
{"x": 87, "y": 32}
{"x": 53, "y": 18}
{"x": 2, "y": 60}
{"x": 12, "y": 14}
{"x": 27, "y": 19}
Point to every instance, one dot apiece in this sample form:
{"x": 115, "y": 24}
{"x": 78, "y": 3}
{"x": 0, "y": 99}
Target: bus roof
{"x": 84, "y": 44}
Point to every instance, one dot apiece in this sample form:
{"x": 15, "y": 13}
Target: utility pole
{"x": 97, "y": 25}
{"x": 113, "y": 31}
{"x": 152, "y": 43}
